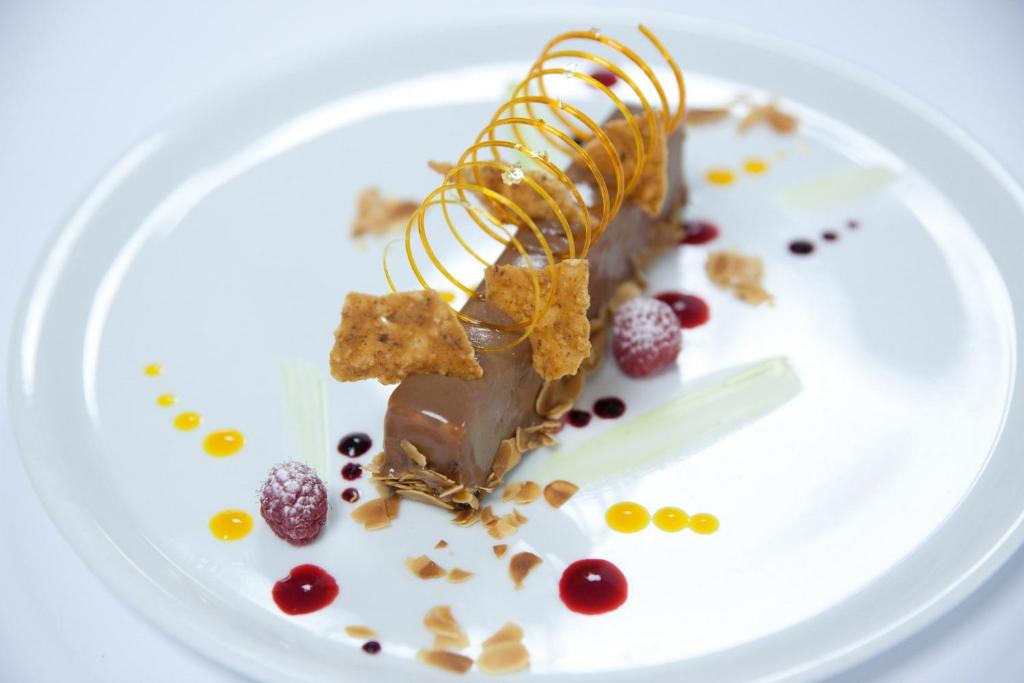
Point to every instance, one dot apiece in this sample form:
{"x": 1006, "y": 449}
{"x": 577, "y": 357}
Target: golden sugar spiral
{"x": 567, "y": 131}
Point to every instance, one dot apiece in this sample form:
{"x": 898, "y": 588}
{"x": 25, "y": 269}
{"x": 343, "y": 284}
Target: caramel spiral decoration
{"x": 567, "y": 130}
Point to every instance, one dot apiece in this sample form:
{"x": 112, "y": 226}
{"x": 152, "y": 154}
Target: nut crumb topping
{"x": 449, "y": 661}
{"x": 424, "y": 567}
{"x": 520, "y": 565}
{"x": 521, "y": 492}
{"x": 556, "y": 493}
{"x": 739, "y": 273}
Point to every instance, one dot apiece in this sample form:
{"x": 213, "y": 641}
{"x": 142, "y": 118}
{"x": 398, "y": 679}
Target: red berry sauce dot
{"x": 351, "y": 471}
{"x": 801, "y": 247}
{"x": 852, "y": 224}
{"x": 593, "y": 587}
{"x": 609, "y": 407}
{"x": 350, "y": 495}
{"x": 355, "y": 444}
{"x": 830, "y": 235}
{"x": 699, "y": 232}
{"x": 691, "y": 310}
{"x": 605, "y": 77}
{"x": 578, "y": 418}
{"x": 371, "y": 647}
{"x": 307, "y": 588}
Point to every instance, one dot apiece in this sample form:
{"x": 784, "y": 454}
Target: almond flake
{"x": 466, "y": 517}
{"x": 499, "y": 550}
{"x": 449, "y": 661}
{"x": 740, "y": 273}
{"x": 377, "y": 513}
{"x": 413, "y": 453}
{"x": 501, "y": 529}
{"x": 703, "y": 117}
{"x": 360, "y": 632}
{"x": 441, "y": 544}
{"x": 379, "y": 215}
{"x": 487, "y": 517}
{"x": 521, "y": 492}
{"x": 520, "y": 565}
{"x": 559, "y": 491}
{"x": 448, "y": 634}
{"x": 509, "y": 632}
{"x": 503, "y": 658}
{"x": 424, "y": 567}
{"x": 520, "y": 518}
{"x": 457, "y": 575}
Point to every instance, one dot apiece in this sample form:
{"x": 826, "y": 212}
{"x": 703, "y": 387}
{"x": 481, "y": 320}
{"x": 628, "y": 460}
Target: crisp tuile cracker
{"x": 520, "y": 565}
{"x": 360, "y": 632}
{"x": 739, "y": 273}
{"x": 499, "y": 550}
{"x": 425, "y": 568}
{"x": 377, "y": 513}
{"x": 389, "y": 337}
{"x": 652, "y": 186}
{"x": 457, "y": 575}
{"x": 557, "y": 492}
{"x": 449, "y": 661}
{"x": 521, "y": 492}
{"x": 561, "y": 339}
{"x": 448, "y": 634}
{"x": 379, "y": 215}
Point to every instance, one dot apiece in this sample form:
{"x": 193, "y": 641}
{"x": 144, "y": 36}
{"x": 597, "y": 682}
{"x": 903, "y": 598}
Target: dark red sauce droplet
{"x": 351, "y": 471}
{"x": 306, "y": 589}
{"x": 801, "y": 247}
{"x": 350, "y": 495}
{"x": 593, "y": 587}
{"x": 699, "y": 232}
{"x": 578, "y": 418}
{"x": 371, "y": 647}
{"x": 830, "y": 235}
{"x": 852, "y": 224}
{"x": 691, "y": 310}
{"x": 355, "y": 444}
{"x": 609, "y": 407}
{"x": 605, "y": 77}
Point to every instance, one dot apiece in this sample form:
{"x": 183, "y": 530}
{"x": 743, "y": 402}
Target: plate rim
{"x": 65, "y": 233}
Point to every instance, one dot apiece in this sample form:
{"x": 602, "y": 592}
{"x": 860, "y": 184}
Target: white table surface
{"x": 80, "y": 81}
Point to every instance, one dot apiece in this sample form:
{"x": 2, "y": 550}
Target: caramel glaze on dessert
{"x": 472, "y": 431}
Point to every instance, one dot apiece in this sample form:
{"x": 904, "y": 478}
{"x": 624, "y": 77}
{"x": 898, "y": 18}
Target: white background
{"x": 79, "y": 82}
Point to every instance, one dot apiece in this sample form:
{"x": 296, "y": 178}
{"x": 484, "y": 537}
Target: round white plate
{"x": 853, "y": 514}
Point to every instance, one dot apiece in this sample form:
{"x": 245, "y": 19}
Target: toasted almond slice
{"x": 413, "y": 453}
{"x": 487, "y": 517}
{"x": 559, "y": 491}
{"x": 521, "y": 492}
{"x": 520, "y": 565}
{"x": 703, "y": 117}
{"x": 360, "y": 632}
{"x": 449, "y": 661}
{"x": 504, "y": 658}
{"x": 374, "y": 514}
{"x": 501, "y": 529}
{"x": 443, "y": 625}
{"x": 509, "y": 632}
{"x": 781, "y": 121}
{"x": 499, "y": 550}
{"x": 466, "y": 517}
{"x": 457, "y": 575}
{"x": 466, "y": 497}
{"x": 441, "y": 544}
{"x": 520, "y": 518}
{"x": 424, "y": 567}
{"x": 379, "y": 215}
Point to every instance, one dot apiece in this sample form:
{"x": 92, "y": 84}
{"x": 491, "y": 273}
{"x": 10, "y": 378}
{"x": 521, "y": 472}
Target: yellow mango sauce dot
{"x": 153, "y": 369}
{"x": 223, "y": 443}
{"x": 720, "y": 176}
{"x": 188, "y": 421}
{"x": 447, "y": 296}
{"x": 166, "y": 400}
{"x": 755, "y": 166}
{"x": 671, "y": 519}
{"x": 703, "y": 523}
{"x": 231, "y": 525}
{"x": 627, "y": 517}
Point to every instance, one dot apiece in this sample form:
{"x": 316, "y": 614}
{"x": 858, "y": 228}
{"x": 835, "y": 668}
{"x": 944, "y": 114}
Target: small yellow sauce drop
{"x": 627, "y": 517}
{"x": 447, "y": 296}
{"x": 187, "y": 421}
{"x": 671, "y": 519}
{"x": 166, "y": 400}
{"x": 703, "y": 523}
{"x": 223, "y": 443}
{"x": 755, "y": 166}
{"x": 231, "y": 525}
{"x": 153, "y": 369}
{"x": 720, "y": 176}
{"x": 780, "y": 154}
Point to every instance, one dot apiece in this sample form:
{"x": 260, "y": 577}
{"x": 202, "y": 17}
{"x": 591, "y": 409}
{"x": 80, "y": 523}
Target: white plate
{"x": 851, "y": 516}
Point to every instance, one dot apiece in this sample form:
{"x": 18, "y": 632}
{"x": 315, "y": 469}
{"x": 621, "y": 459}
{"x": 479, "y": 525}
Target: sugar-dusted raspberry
{"x": 645, "y": 336}
{"x": 293, "y": 500}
